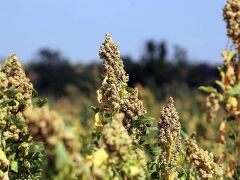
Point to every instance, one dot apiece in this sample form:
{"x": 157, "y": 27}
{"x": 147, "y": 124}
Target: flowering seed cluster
{"x": 16, "y": 93}
{"x": 203, "y": 161}
{"x": 116, "y": 138}
{"x": 169, "y": 125}
{"x": 17, "y": 79}
{"x": 4, "y": 166}
{"x": 113, "y": 95}
{"x": 73, "y": 146}
{"x": 169, "y": 139}
{"x": 118, "y": 145}
{"x": 133, "y": 109}
{"x": 115, "y": 78}
{"x": 229, "y": 73}
{"x": 212, "y": 105}
{"x": 48, "y": 127}
{"x": 15, "y": 96}
{"x": 44, "y": 125}
{"x": 232, "y": 106}
{"x": 231, "y": 14}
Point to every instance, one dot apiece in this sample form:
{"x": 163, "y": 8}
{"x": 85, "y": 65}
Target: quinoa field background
{"x": 155, "y": 117}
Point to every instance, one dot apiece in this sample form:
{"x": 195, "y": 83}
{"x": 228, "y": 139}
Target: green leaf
{"x": 207, "y": 89}
{"x": 129, "y": 89}
{"x": 136, "y": 123}
{"x": 152, "y": 131}
{"x": 41, "y": 102}
{"x": 230, "y": 56}
{"x": 12, "y": 92}
{"x": 181, "y": 157}
{"x": 184, "y": 134}
{"x": 34, "y": 93}
{"x": 14, "y": 166}
{"x": 154, "y": 151}
{"x": 107, "y": 117}
{"x": 220, "y": 84}
{"x": 152, "y": 165}
{"x": 62, "y": 156}
{"x": 234, "y": 90}
{"x": 184, "y": 177}
{"x": 231, "y": 118}
{"x": 219, "y": 68}
{"x": 155, "y": 176}
{"x": 116, "y": 173}
{"x": 16, "y": 121}
{"x": 11, "y": 103}
{"x": 12, "y": 157}
{"x": 95, "y": 109}
{"x": 22, "y": 102}
{"x": 4, "y": 103}
{"x": 219, "y": 172}
{"x": 232, "y": 135}
{"x": 146, "y": 121}
{"x": 181, "y": 174}
{"x": 238, "y": 170}
{"x": 96, "y": 137}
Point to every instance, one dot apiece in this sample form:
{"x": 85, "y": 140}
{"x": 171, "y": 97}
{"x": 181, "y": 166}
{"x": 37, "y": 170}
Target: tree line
{"x": 55, "y": 75}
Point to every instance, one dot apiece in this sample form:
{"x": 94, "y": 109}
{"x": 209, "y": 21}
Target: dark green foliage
{"x": 53, "y": 74}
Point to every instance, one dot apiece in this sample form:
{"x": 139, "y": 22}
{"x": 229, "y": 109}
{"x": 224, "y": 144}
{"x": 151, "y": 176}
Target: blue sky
{"x": 77, "y": 27}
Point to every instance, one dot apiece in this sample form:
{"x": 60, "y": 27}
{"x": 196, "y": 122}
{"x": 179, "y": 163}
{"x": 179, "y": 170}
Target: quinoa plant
{"x": 202, "y": 162}
{"x": 62, "y": 148}
{"x": 21, "y": 157}
{"x": 116, "y": 158}
{"x": 123, "y": 128}
{"x": 35, "y": 143}
{"x": 225, "y": 95}
{"x": 114, "y": 96}
{"x": 169, "y": 140}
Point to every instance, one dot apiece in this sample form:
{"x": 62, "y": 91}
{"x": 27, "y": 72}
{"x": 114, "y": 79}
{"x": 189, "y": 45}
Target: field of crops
{"x": 123, "y": 132}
